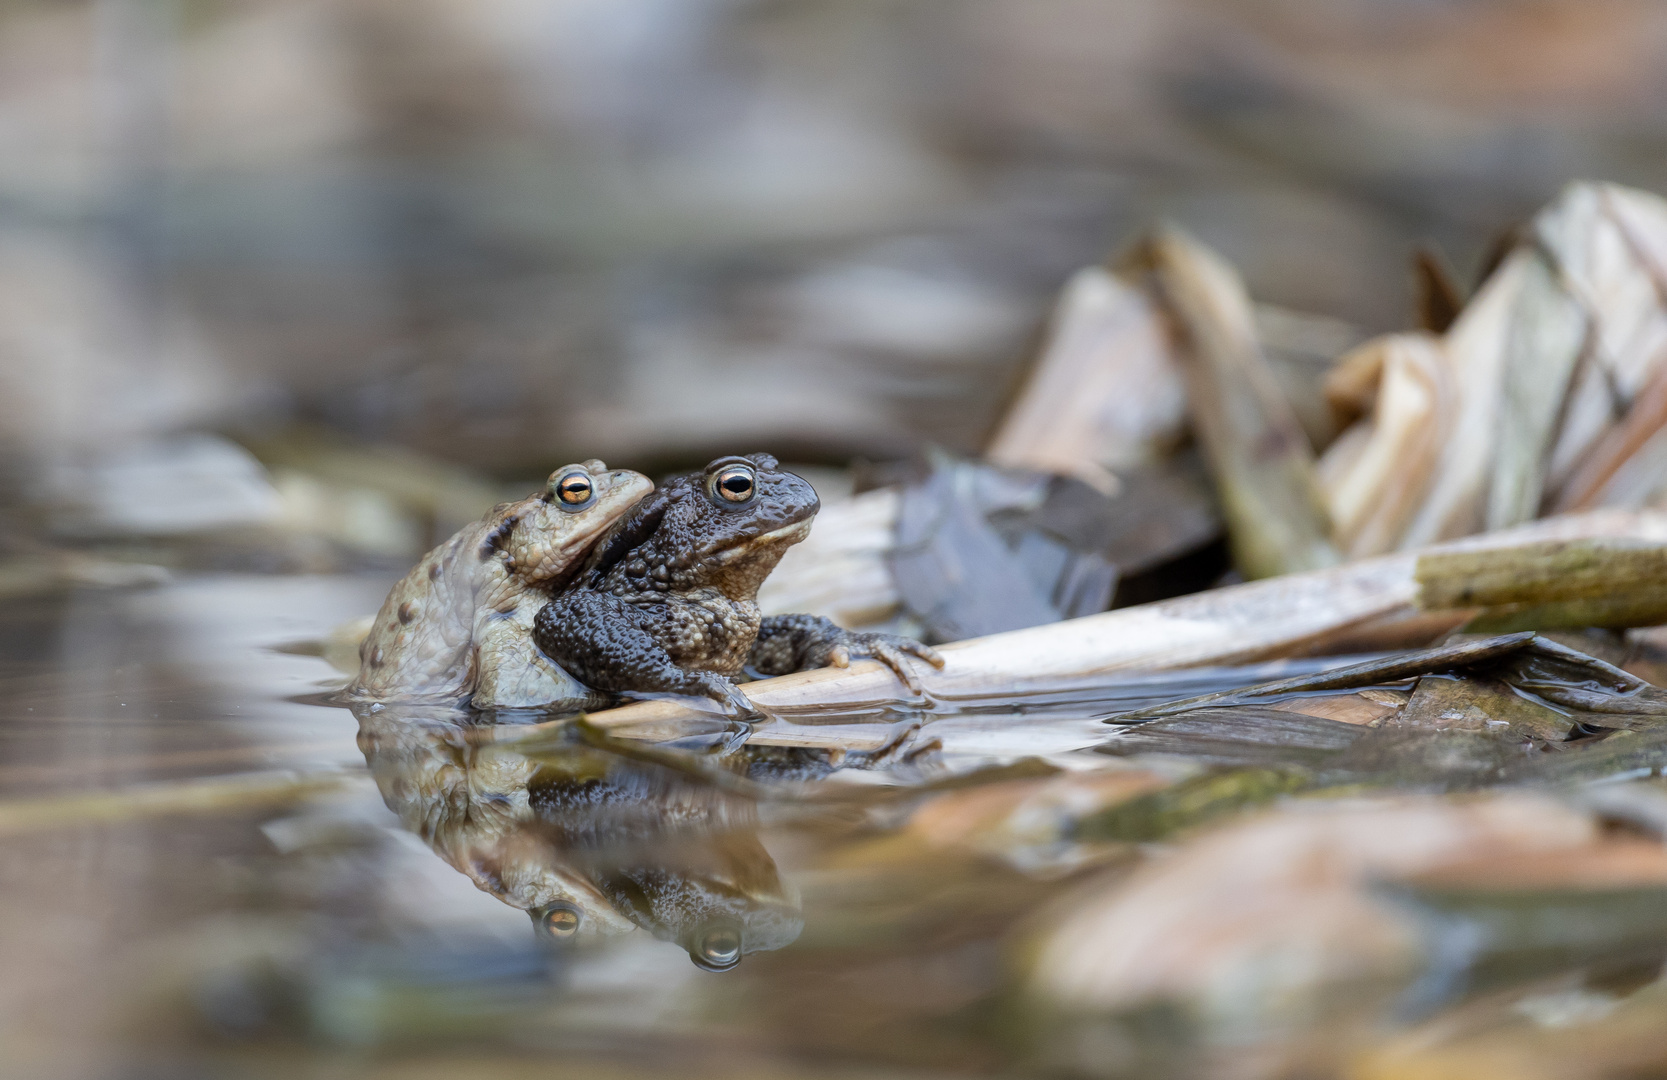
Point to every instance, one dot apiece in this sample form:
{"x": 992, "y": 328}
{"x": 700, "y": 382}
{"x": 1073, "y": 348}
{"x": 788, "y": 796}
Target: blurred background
{"x": 292, "y": 289}
{"x": 506, "y": 234}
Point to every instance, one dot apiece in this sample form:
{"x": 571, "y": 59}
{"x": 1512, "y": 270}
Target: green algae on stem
{"x": 1610, "y": 582}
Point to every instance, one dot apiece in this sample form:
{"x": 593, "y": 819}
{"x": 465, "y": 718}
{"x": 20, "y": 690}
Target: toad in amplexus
{"x": 667, "y": 601}
{"x": 458, "y": 626}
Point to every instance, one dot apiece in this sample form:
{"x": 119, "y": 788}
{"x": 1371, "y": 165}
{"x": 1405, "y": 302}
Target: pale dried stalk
{"x": 1587, "y": 486}
{"x": 1475, "y": 360}
{"x": 1546, "y": 340}
{"x": 1375, "y": 479}
{"x": 1543, "y": 375}
{"x": 1292, "y": 615}
{"x": 1601, "y": 243}
{"x": 1259, "y": 455}
{"x": 1113, "y": 383}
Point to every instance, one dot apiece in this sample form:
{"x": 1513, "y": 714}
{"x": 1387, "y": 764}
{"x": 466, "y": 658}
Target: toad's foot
{"x": 801, "y": 642}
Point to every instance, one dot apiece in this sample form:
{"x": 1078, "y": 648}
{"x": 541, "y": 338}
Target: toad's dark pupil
{"x": 735, "y": 486}
{"x": 575, "y": 490}
{"x": 561, "y": 922}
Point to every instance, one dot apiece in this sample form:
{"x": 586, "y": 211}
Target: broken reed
{"x": 1549, "y": 585}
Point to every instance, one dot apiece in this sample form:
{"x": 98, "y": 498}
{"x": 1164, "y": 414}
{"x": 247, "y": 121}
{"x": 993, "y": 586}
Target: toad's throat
{"x": 782, "y": 537}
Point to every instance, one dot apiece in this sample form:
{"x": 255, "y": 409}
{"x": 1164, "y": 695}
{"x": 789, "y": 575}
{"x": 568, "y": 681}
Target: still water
{"x": 210, "y": 870}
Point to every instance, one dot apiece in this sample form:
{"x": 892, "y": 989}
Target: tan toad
{"x": 458, "y": 627}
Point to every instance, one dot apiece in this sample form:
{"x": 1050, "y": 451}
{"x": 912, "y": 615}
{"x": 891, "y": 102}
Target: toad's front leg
{"x": 606, "y": 644}
{"x": 800, "y": 642}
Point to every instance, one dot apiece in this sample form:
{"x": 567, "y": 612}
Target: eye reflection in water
{"x": 558, "y": 921}
{"x": 589, "y": 844}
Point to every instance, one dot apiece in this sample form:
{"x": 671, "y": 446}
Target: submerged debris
{"x": 1517, "y": 709}
{"x": 1331, "y": 915}
{"x": 1582, "y": 688}
{"x": 215, "y": 795}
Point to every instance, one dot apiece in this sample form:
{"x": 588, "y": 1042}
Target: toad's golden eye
{"x": 575, "y": 489}
{"x": 557, "y": 921}
{"x": 734, "y": 484}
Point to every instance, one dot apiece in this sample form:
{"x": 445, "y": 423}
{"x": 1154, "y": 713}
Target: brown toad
{"x": 668, "y": 599}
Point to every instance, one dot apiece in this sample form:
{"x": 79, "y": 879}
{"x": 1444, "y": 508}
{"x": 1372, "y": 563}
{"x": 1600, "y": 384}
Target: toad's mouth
{"x": 783, "y": 536}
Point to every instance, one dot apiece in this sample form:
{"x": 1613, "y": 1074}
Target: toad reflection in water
{"x": 584, "y": 841}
